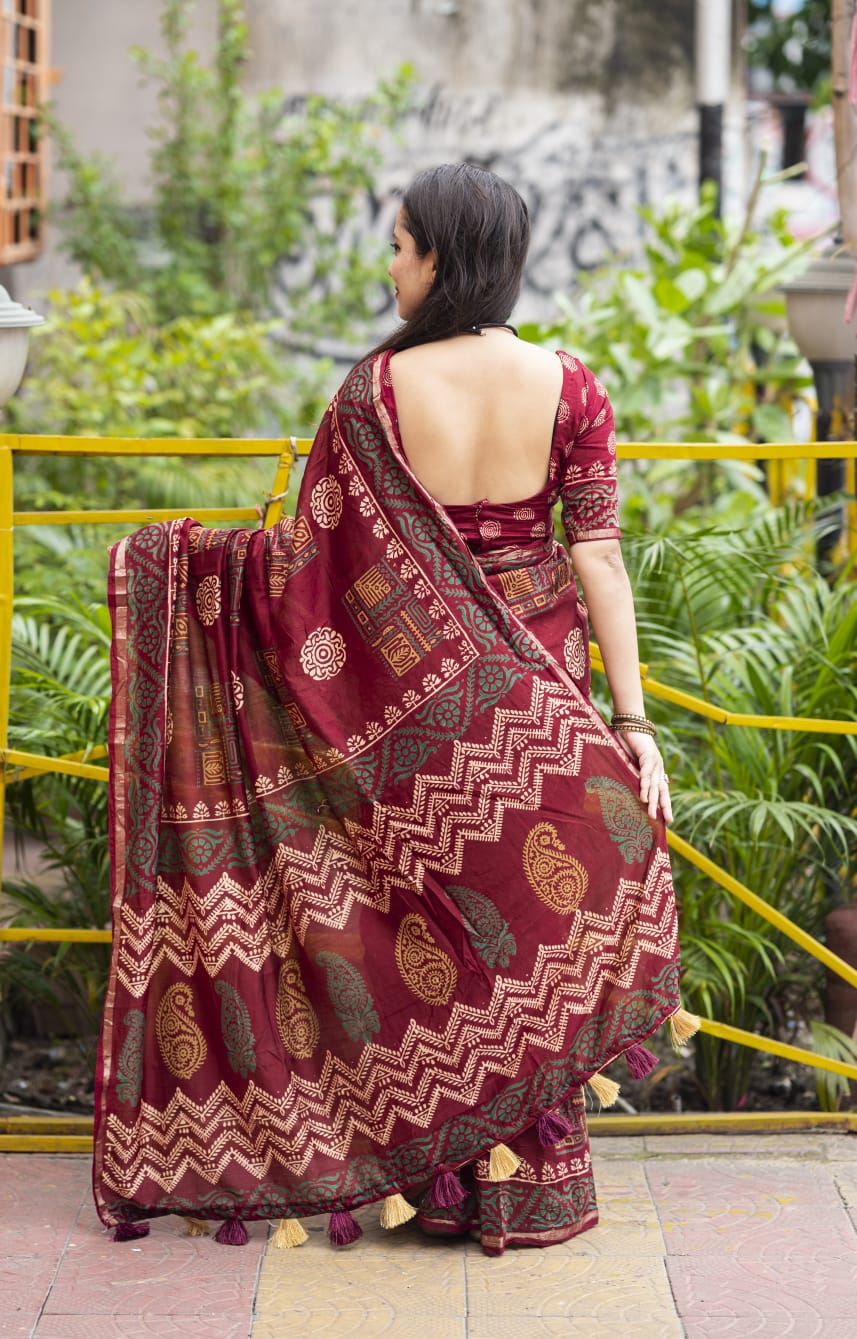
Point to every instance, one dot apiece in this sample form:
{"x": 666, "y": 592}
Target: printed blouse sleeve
{"x": 588, "y": 489}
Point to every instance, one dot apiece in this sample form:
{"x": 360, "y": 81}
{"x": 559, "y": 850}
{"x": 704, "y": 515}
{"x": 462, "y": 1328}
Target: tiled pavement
{"x": 701, "y": 1237}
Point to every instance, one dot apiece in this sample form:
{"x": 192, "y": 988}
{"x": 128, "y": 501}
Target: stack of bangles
{"x": 627, "y": 720}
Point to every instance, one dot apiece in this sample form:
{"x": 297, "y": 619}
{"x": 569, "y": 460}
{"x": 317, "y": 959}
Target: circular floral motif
{"x": 538, "y": 530}
{"x": 489, "y": 529}
{"x": 575, "y": 653}
{"x": 208, "y": 600}
{"x": 325, "y": 503}
{"x": 524, "y": 514}
{"x": 323, "y": 653}
{"x": 562, "y": 412}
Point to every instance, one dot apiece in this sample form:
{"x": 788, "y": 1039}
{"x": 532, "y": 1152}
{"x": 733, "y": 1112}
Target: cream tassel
{"x": 289, "y": 1233}
{"x": 395, "y": 1210}
{"x": 196, "y": 1227}
{"x": 502, "y": 1163}
{"x": 606, "y": 1090}
{"x": 683, "y": 1026}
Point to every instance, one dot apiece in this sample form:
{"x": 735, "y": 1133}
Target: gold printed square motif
{"x": 398, "y": 652}
{"x": 372, "y": 587}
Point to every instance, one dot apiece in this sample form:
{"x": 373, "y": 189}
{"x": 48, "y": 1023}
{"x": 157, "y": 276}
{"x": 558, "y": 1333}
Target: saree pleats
{"x": 383, "y": 892}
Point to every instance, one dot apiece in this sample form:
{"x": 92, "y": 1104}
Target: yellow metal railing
{"x": 18, "y": 765}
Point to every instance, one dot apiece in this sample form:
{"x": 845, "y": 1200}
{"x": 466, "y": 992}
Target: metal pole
{"x": 6, "y": 580}
{"x": 834, "y": 386}
{"x": 712, "y": 67}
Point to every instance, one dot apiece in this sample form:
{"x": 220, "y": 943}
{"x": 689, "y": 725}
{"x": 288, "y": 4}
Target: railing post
{"x": 6, "y": 589}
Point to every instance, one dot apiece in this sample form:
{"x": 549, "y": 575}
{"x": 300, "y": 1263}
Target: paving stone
{"x": 620, "y": 1177}
{"x": 25, "y": 1279}
{"x": 845, "y": 1180}
{"x": 546, "y": 1283}
{"x": 17, "y": 1324}
{"x": 618, "y": 1239}
{"x": 627, "y": 1208}
{"x": 166, "y": 1273}
{"x": 358, "y": 1325}
{"x": 616, "y": 1146}
{"x": 313, "y": 1289}
{"x": 705, "y": 1287}
{"x": 580, "y": 1327}
{"x": 705, "y": 1185}
{"x": 765, "y": 1327}
{"x": 842, "y": 1148}
{"x": 150, "y": 1326}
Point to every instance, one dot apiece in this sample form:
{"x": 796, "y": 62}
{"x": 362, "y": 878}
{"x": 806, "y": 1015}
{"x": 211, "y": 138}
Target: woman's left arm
{"x": 607, "y": 592}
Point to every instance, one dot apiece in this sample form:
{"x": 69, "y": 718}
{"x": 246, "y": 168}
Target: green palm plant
{"x": 773, "y": 807}
{"x": 59, "y": 704}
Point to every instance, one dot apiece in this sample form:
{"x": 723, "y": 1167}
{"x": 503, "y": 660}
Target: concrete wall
{"x": 586, "y": 105}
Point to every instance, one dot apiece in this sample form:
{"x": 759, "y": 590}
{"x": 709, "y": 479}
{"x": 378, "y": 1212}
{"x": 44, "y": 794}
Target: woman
{"x": 387, "y": 890}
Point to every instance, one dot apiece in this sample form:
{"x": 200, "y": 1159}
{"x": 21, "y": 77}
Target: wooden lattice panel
{"x": 24, "y": 39}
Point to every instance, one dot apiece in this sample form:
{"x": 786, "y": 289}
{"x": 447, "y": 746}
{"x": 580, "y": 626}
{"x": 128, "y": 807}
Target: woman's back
{"x": 476, "y": 415}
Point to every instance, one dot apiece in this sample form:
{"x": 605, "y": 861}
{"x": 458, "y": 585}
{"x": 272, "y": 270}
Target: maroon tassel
{"x": 551, "y": 1128}
{"x": 343, "y": 1228}
{"x": 130, "y": 1231}
{"x": 446, "y": 1189}
{"x": 640, "y": 1060}
{"x": 231, "y": 1232}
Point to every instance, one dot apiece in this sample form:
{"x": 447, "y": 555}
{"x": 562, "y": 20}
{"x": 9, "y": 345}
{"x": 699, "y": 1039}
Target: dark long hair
{"x": 479, "y": 229}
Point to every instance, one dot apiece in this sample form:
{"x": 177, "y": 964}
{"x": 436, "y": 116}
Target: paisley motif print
{"x": 129, "y": 1071}
{"x": 555, "y": 876}
{"x": 297, "y": 1021}
{"x": 180, "y": 1039}
{"x": 487, "y": 931}
{"x": 235, "y": 1026}
{"x": 351, "y": 1001}
{"x": 426, "y": 970}
{"x": 623, "y": 817}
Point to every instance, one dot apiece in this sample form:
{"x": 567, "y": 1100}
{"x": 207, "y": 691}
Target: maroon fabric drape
{"x": 383, "y": 891}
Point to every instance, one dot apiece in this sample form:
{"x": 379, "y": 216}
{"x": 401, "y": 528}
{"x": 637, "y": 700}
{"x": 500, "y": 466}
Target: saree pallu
{"x": 383, "y": 893}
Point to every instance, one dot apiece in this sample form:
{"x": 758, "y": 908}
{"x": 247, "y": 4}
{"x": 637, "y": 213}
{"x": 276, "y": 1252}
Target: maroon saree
{"x": 384, "y": 896}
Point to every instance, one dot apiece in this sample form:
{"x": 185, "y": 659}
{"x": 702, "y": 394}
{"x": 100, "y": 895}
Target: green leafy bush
{"x": 692, "y": 343}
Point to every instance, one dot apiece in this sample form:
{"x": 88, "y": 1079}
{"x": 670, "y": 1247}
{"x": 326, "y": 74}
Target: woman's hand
{"x": 654, "y": 782}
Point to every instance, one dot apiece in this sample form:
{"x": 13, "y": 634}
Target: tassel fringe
{"x": 130, "y": 1231}
{"x": 395, "y": 1211}
{"x": 196, "y": 1227}
{"x": 446, "y": 1189}
{"x": 552, "y": 1128}
{"x": 231, "y": 1232}
{"x": 641, "y": 1061}
{"x": 343, "y": 1228}
{"x": 502, "y": 1163}
{"x": 289, "y": 1233}
{"x": 606, "y": 1090}
{"x": 683, "y": 1026}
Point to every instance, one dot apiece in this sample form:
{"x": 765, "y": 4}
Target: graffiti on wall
{"x": 583, "y": 196}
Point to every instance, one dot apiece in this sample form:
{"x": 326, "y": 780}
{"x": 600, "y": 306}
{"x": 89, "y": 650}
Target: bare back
{"x": 476, "y": 415}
